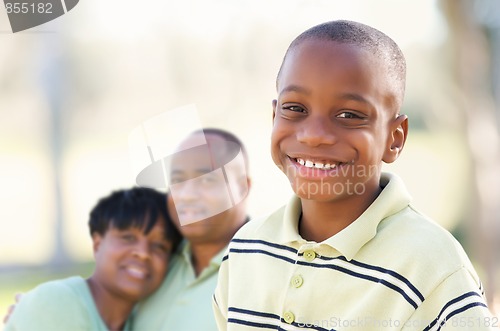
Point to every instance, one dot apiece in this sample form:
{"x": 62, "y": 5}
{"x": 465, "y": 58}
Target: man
{"x": 207, "y": 200}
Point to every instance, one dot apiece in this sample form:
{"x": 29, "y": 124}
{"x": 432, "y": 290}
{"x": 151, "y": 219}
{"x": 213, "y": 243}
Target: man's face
{"x": 130, "y": 263}
{"x": 333, "y": 120}
{"x": 207, "y": 184}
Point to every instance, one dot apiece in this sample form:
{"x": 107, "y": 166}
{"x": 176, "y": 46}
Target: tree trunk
{"x": 471, "y": 65}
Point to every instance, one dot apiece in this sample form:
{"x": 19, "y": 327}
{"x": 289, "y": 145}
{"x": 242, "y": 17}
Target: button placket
{"x": 309, "y": 255}
{"x": 288, "y": 317}
{"x": 297, "y": 281}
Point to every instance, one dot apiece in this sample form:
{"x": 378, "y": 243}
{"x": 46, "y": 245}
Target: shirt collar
{"x": 185, "y": 252}
{"x": 393, "y": 198}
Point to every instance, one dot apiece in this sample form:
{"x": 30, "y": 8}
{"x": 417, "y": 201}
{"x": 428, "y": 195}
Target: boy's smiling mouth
{"x": 323, "y": 165}
{"x": 316, "y": 167}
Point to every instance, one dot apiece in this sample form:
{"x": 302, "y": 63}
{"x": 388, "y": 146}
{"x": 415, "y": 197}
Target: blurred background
{"x": 73, "y": 89}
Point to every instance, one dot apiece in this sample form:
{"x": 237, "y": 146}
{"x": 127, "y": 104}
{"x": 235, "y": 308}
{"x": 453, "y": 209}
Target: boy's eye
{"x": 294, "y": 108}
{"x": 348, "y": 114}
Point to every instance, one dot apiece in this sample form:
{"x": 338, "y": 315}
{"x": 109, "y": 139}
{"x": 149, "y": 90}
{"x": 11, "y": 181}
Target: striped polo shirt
{"x": 391, "y": 269}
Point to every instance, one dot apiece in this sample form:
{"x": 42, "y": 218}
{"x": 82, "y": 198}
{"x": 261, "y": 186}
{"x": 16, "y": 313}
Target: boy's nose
{"x": 316, "y": 131}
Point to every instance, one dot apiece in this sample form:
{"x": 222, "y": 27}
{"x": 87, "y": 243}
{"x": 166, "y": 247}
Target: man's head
{"x": 336, "y": 118}
{"x": 209, "y": 185}
{"x": 132, "y": 238}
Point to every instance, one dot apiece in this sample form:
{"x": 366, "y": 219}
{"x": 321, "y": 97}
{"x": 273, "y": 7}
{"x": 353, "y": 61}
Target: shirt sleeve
{"x": 457, "y": 303}
{"x": 48, "y": 307}
{"x": 219, "y": 300}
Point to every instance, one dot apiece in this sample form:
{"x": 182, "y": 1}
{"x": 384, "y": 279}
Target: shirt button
{"x": 309, "y": 255}
{"x": 289, "y": 317}
{"x": 297, "y": 281}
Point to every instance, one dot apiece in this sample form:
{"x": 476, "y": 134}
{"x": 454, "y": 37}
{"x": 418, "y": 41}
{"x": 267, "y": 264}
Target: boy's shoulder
{"x": 417, "y": 230}
{"x": 260, "y": 226}
{"x": 279, "y": 225}
{"x": 412, "y": 236}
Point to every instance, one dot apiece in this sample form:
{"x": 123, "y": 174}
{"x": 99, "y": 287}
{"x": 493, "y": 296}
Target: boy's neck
{"x": 321, "y": 220}
{"x": 114, "y": 311}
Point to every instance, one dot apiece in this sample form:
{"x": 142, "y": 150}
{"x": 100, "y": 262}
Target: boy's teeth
{"x": 317, "y": 165}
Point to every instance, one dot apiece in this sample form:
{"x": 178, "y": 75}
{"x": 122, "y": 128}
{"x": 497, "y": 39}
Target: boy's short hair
{"x": 138, "y": 207}
{"x": 364, "y": 36}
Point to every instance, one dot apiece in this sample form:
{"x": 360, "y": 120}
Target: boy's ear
{"x": 96, "y": 241}
{"x": 275, "y": 102}
{"x": 396, "y": 139}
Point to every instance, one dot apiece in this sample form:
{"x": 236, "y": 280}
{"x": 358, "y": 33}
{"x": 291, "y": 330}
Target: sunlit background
{"x": 73, "y": 89}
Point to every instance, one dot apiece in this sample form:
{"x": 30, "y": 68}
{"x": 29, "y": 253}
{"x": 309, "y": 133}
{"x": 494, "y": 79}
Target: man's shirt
{"x": 184, "y": 301}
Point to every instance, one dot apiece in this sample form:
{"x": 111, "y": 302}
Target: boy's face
{"x": 129, "y": 263}
{"x": 334, "y": 121}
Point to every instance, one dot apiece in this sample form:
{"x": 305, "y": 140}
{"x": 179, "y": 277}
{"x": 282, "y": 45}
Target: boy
{"x": 348, "y": 252}
{"x": 132, "y": 239}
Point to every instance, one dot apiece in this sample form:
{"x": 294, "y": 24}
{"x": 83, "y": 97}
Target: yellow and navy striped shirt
{"x": 391, "y": 269}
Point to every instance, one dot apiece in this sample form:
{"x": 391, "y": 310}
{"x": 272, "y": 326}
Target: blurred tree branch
{"x": 53, "y": 82}
{"x": 473, "y": 43}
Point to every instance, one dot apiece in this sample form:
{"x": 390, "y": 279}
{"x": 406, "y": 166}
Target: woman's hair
{"x": 138, "y": 207}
